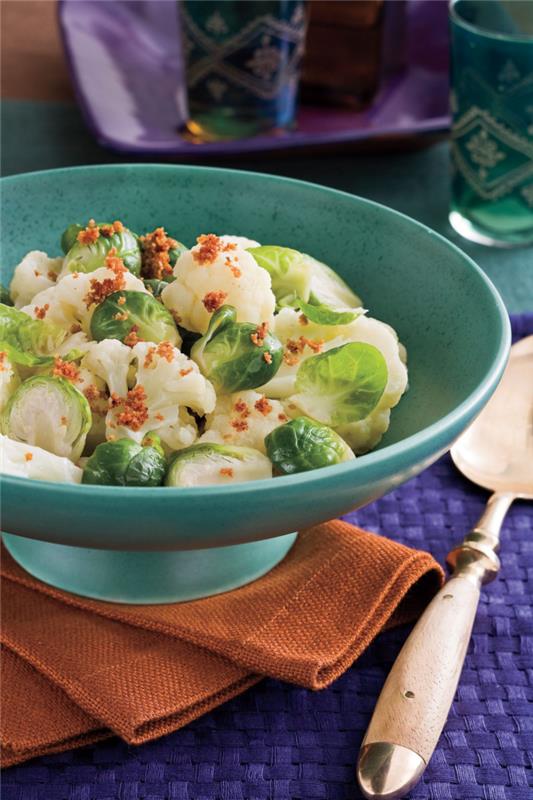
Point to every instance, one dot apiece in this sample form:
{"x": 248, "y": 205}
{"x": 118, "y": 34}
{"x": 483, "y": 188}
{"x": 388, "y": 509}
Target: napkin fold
{"x": 76, "y": 670}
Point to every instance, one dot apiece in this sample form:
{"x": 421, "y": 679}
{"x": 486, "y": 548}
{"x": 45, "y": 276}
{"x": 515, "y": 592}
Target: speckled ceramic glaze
{"x": 445, "y": 310}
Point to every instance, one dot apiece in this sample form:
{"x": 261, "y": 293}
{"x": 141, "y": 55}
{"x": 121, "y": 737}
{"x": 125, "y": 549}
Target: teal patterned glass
{"x": 242, "y": 62}
{"x": 492, "y": 133}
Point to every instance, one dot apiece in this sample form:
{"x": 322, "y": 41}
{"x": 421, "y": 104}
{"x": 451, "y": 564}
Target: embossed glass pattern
{"x": 492, "y": 133}
{"x": 243, "y": 65}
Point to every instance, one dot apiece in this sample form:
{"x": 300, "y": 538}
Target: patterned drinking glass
{"x": 492, "y": 133}
{"x": 243, "y": 65}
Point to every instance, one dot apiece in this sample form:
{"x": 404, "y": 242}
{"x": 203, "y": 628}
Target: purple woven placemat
{"x": 279, "y": 741}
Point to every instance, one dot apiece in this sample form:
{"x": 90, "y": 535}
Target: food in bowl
{"x": 136, "y": 361}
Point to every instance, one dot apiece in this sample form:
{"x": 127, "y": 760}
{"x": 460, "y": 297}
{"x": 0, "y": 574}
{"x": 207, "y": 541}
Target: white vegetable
{"x": 233, "y": 272}
{"x": 110, "y": 360}
{"x": 170, "y": 381}
{"x": 238, "y": 420}
{"x": 27, "y": 461}
{"x": 9, "y": 379}
{"x": 66, "y": 300}
{"x": 35, "y": 273}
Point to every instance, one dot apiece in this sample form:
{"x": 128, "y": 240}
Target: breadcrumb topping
{"x": 242, "y": 408}
{"x": 295, "y": 347}
{"x": 302, "y": 319}
{"x": 109, "y": 230}
{"x": 239, "y": 424}
{"x": 210, "y": 247}
{"x": 28, "y": 456}
{"x": 132, "y": 339}
{"x": 89, "y": 234}
{"x": 121, "y": 316}
{"x": 99, "y": 290}
{"x": 41, "y": 312}
{"x": 263, "y": 406}
{"x": 66, "y": 369}
{"x": 267, "y": 357}
{"x": 75, "y": 327}
{"x": 3, "y": 355}
{"x": 96, "y": 398}
{"x": 135, "y": 411}
{"x": 155, "y": 258}
{"x": 226, "y": 472}
{"x": 184, "y": 372}
{"x": 64, "y": 422}
{"x": 37, "y": 273}
{"x": 51, "y": 275}
{"x": 258, "y": 336}
{"x": 283, "y": 417}
{"x": 213, "y": 300}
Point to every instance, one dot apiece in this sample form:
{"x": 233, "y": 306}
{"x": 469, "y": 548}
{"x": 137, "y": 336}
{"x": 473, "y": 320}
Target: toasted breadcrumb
{"x": 135, "y": 411}
{"x": 263, "y": 406}
{"x": 40, "y": 313}
{"x": 302, "y": 319}
{"x": 209, "y": 249}
{"x": 213, "y": 300}
{"x": 239, "y": 424}
{"x": 132, "y": 339}
{"x": 90, "y": 234}
{"x": 184, "y": 372}
{"x": 155, "y": 247}
{"x": 28, "y": 456}
{"x": 226, "y": 472}
{"x": 267, "y": 357}
{"x": 258, "y": 336}
{"x": 99, "y": 290}
{"x": 66, "y": 369}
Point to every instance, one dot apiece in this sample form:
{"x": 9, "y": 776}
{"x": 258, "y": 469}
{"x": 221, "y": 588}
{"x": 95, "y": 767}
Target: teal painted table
{"x": 39, "y": 135}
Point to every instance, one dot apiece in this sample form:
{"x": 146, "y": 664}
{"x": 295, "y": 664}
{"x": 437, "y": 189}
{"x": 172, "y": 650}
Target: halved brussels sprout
{"x": 289, "y": 271}
{"x": 88, "y": 257}
{"x": 204, "y": 464}
{"x": 48, "y": 412}
{"x": 156, "y": 286}
{"x": 27, "y": 461}
{"x": 341, "y": 385}
{"x": 329, "y": 288}
{"x": 323, "y": 314}
{"x": 26, "y": 338}
{"x": 69, "y": 237}
{"x": 125, "y": 463}
{"x": 236, "y": 356}
{"x": 125, "y": 311}
{"x": 303, "y": 444}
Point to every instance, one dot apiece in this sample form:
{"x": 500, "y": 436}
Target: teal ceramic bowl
{"x": 160, "y": 545}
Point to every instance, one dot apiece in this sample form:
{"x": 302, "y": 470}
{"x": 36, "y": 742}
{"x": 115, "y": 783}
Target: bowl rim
{"x": 371, "y": 462}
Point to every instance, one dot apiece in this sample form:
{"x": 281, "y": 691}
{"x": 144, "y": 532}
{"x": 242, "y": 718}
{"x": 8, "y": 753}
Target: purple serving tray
{"x": 125, "y": 61}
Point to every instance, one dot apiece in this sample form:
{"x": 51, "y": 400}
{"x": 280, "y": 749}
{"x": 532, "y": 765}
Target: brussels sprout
{"x": 5, "y": 297}
{"x": 155, "y": 286}
{"x": 27, "y": 339}
{"x": 69, "y": 237}
{"x": 88, "y": 257}
{"x": 289, "y": 271}
{"x": 125, "y": 311}
{"x": 173, "y": 256}
{"x": 236, "y": 355}
{"x": 152, "y": 439}
{"x": 303, "y": 444}
{"x": 26, "y": 461}
{"x": 341, "y": 385}
{"x": 125, "y": 463}
{"x": 328, "y": 287}
{"x": 323, "y": 314}
{"x": 48, "y": 412}
{"x": 204, "y": 464}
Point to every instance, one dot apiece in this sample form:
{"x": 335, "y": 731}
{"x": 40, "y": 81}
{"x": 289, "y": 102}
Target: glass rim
{"x": 519, "y": 38}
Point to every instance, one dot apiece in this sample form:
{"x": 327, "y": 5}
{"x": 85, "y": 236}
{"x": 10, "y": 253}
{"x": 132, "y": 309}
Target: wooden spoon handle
{"x": 414, "y": 703}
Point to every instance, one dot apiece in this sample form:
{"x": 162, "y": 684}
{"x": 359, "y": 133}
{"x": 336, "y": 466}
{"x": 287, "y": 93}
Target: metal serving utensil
{"x": 496, "y": 452}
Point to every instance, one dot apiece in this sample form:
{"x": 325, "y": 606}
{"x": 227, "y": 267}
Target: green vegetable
{"x": 125, "y": 463}
{"x": 328, "y": 287}
{"x": 303, "y": 444}
{"x": 69, "y": 236}
{"x": 21, "y": 333}
{"x": 228, "y": 356}
{"x": 150, "y": 319}
{"x": 48, "y": 412}
{"x": 156, "y": 286}
{"x": 5, "y": 297}
{"x": 151, "y": 439}
{"x": 203, "y": 464}
{"x": 289, "y": 271}
{"x": 323, "y": 314}
{"x": 173, "y": 256}
{"x": 341, "y": 385}
{"x": 88, "y": 257}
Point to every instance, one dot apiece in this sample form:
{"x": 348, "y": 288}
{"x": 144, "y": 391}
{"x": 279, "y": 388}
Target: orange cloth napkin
{"x": 77, "y": 670}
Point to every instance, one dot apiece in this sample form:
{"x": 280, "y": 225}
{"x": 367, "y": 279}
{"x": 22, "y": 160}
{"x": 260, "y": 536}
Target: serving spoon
{"x": 496, "y": 452}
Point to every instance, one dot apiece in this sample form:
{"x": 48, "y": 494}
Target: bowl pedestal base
{"x": 147, "y": 577}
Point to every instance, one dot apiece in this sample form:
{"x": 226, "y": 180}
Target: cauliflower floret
{"x": 110, "y": 361}
{"x": 166, "y": 381}
{"x": 366, "y": 433}
{"x": 218, "y": 271}
{"x": 95, "y": 390}
{"x": 35, "y": 273}
{"x": 29, "y": 461}
{"x": 68, "y": 301}
{"x": 244, "y": 419}
{"x": 241, "y": 241}
{"x": 9, "y": 379}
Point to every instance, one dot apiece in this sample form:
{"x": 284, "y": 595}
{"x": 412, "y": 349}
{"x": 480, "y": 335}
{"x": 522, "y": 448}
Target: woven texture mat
{"x": 278, "y": 741}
